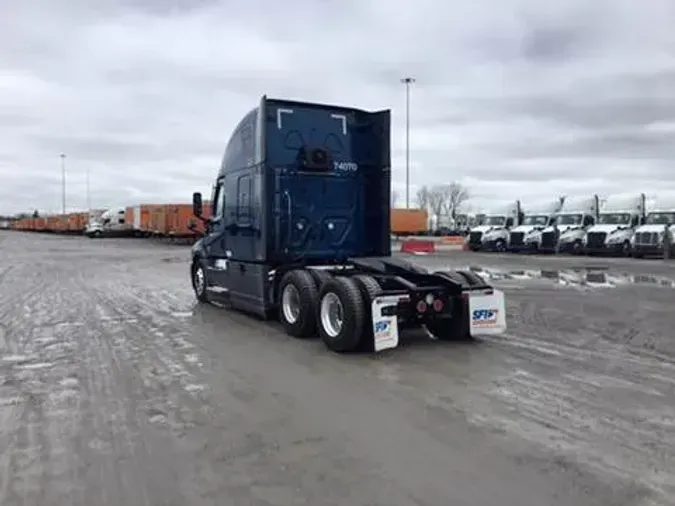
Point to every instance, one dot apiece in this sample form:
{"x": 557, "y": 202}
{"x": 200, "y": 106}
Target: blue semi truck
{"x": 300, "y": 232}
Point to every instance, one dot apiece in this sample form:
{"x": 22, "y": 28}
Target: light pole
{"x": 63, "y": 183}
{"x": 407, "y": 81}
{"x": 88, "y": 197}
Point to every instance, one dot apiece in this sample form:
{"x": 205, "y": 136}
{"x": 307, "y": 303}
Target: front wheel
{"x": 500, "y": 246}
{"x": 199, "y": 281}
{"x": 577, "y": 247}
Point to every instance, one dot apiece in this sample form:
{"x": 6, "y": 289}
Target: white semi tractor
{"x": 649, "y": 238}
{"x": 619, "y": 217}
{"x": 110, "y": 223}
{"x": 527, "y": 235}
{"x": 493, "y": 233}
{"x": 574, "y": 218}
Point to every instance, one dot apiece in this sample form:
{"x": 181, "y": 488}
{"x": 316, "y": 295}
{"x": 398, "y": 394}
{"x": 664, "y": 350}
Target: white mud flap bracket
{"x": 487, "y": 311}
{"x": 385, "y": 321}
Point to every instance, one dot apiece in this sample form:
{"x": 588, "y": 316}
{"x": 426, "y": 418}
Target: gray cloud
{"x": 516, "y": 99}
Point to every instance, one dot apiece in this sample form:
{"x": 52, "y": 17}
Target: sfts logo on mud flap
{"x": 382, "y": 329}
{"x": 484, "y": 316}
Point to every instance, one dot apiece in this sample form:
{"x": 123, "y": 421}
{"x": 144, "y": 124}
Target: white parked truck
{"x": 648, "y": 238}
{"x": 527, "y": 235}
{"x": 569, "y": 228}
{"x": 493, "y": 233}
{"x": 110, "y": 223}
{"x": 619, "y": 217}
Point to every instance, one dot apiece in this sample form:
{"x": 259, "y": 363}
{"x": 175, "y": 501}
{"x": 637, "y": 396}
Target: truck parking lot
{"x": 116, "y": 388}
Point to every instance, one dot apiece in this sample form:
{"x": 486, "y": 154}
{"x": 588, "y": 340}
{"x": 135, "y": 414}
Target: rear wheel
{"x": 297, "y": 304}
{"x": 341, "y": 314}
{"x": 320, "y": 277}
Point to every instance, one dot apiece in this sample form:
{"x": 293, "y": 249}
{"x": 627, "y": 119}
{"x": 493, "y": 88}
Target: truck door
{"x": 215, "y": 241}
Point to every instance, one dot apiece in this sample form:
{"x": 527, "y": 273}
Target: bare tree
{"x": 454, "y": 195}
{"x": 436, "y": 199}
{"x": 422, "y": 197}
{"x": 394, "y": 198}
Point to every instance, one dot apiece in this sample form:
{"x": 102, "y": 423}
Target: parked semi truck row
{"x": 300, "y": 232}
{"x": 581, "y": 225}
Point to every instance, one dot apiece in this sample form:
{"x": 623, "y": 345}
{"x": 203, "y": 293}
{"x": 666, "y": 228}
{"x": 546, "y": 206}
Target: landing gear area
{"x": 365, "y": 304}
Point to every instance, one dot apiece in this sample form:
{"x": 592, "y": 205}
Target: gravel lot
{"x": 116, "y": 389}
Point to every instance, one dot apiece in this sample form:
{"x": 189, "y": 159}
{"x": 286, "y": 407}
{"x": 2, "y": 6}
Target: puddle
{"x": 586, "y": 276}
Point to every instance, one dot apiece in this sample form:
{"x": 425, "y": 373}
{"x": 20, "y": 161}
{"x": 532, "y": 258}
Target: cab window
{"x": 219, "y": 201}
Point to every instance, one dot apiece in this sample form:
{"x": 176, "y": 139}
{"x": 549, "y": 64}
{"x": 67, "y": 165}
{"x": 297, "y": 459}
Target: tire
{"x": 198, "y": 277}
{"x": 473, "y": 278}
{"x": 297, "y": 303}
{"x": 500, "y": 246}
{"x": 626, "y": 249}
{"x": 577, "y": 248}
{"x": 345, "y": 293}
{"x": 320, "y": 277}
{"x": 370, "y": 289}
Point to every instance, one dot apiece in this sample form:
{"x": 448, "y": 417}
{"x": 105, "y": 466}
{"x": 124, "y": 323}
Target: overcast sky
{"x": 515, "y": 99}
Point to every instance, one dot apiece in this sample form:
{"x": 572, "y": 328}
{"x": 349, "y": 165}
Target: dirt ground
{"x": 117, "y": 389}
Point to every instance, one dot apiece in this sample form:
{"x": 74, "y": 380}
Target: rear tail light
{"x": 421, "y": 306}
{"x": 438, "y": 305}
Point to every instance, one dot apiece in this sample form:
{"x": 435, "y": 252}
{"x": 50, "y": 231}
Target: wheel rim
{"x": 199, "y": 280}
{"x": 332, "y": 314}
{"x": 290, "y": 303}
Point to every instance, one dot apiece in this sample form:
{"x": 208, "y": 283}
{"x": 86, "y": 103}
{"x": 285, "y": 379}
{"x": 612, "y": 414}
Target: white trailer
{"x": 648, "y": 238}
{"x": 619, "y": 217}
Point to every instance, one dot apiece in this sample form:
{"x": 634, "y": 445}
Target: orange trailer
{"x": 179, "y": 217}
{"x": 77, "y": 222}
{"x": 409, "y": 221}
{"x": 129, "y": 216}
{"x": 141, "y": 218}
{"x": 52, "y": 224}
{"x": 158, "y": 220}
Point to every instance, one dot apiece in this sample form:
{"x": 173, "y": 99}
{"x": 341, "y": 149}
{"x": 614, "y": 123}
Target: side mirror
{"x": 197, "y": 206}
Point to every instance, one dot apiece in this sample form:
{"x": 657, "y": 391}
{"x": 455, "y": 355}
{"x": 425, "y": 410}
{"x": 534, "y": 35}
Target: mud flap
{"x": 487, "y": 312}
{"x": 385, "y": 321}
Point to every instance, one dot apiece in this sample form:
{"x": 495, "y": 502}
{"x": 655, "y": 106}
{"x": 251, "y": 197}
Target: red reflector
{"x": 438, "y": 305}
{"x": 421, "y": 306}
